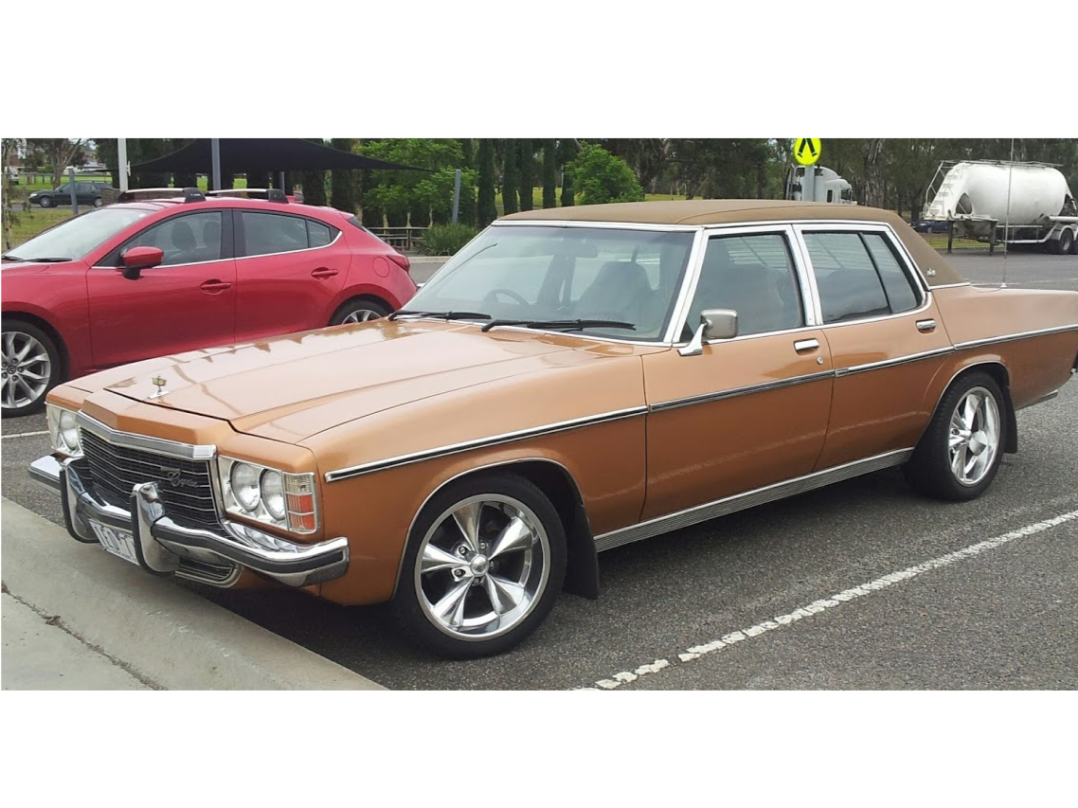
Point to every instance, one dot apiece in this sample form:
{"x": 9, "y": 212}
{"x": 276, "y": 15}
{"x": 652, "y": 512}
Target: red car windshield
{"x": 74, "y": 238}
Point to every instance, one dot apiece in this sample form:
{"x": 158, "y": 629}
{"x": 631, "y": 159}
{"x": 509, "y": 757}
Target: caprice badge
{"x": 176, "y": 479}
{"x": 159, "y": 383}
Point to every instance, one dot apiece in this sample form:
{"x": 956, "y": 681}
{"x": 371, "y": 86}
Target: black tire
{"x": 1065, "y": 244}
{"x": 468, "y": 583}
{"x": 45, "y": 201}
{"x": 26, "y": 381}
{"x": 958, "y": 457}
{"x": 98, "y": 202}
{"x": 358, "y": 310}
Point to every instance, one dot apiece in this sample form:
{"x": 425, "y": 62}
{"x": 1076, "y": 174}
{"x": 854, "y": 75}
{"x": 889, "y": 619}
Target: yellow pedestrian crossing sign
{"x": 807, "y": 150}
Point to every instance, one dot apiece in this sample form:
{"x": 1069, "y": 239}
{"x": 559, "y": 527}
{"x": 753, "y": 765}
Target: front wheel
{"x": 31, "y": 366}
{"x": 959, "y": 455}
{"x": 358, "y": 311}
{"x": 483, "y": 567}
{"x": 1065, "y": 243}
{"x": 45, "y": 201}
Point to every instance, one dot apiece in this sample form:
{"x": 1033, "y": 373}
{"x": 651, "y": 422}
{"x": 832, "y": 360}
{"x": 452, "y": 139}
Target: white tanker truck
{"x": 1005, "y": 202}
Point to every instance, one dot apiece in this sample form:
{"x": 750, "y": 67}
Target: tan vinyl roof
{"x": 738, "y": 211}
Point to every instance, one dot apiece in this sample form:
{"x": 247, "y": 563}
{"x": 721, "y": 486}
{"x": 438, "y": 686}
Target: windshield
{"x": 535, "y": 273}
{"x": 74, "y": 238}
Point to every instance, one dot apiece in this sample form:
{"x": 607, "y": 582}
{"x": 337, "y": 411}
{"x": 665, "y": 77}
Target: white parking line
{"x": 24, "y": 435}
{"x": 832, "y": 602}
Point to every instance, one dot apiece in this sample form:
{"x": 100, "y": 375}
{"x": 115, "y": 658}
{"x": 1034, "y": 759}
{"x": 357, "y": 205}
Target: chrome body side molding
{"x": 1042, "y": 332}
{"x": 674, "y": 404}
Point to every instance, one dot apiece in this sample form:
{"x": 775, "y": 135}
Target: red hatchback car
{"x": 148, "y": 278}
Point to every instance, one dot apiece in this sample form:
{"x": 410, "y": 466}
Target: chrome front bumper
{"x": 162, "y": 545}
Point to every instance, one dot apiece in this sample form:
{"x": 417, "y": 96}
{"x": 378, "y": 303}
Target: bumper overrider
{"x": 164, "y": 547}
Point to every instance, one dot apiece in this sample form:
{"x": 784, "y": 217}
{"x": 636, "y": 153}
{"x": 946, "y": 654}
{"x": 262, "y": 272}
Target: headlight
{"x": 64, "y": 431}
{"x": 269, "y": 495}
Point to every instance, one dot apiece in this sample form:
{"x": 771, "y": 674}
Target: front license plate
{"x": 118, "y": 542}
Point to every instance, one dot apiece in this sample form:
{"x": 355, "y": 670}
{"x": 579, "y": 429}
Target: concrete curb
{"x": 162, "y": 634}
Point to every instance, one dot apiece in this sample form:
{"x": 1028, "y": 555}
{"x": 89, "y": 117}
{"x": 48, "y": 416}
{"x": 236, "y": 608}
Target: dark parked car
{"x": 87, "y": 193}
{"x": 930, "y": 226}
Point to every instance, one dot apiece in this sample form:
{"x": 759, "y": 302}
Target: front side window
{"x": 537, "y": 273}
{"x": 754, "y": 276}
{"x": 858, "y": 276}
{"x": 185, "y": 239}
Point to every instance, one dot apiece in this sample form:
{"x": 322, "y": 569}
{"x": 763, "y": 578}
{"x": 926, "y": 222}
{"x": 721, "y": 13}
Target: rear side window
{"x": 858, "y": 276}
{"x": 269, "y": 233}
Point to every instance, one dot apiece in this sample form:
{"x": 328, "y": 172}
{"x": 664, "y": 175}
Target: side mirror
{"x": 714, "y": 324}
{"x": 139, "y": 258}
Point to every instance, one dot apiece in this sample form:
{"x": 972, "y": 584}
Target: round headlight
{"x": 69, "y": 430}
{"x": 272, "y": 485}
{"x": 244, "y": 481}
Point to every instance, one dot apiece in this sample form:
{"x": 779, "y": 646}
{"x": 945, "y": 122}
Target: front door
{"x": 886, "y": 338}
{"x": 187, "y": 302}
{"x": 750, "y": 411}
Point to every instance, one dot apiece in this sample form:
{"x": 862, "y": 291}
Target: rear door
{"x": 290, "y": 270}
{"x": 187, "y": 302}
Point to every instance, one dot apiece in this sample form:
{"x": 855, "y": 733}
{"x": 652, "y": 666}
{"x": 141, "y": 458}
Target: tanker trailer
{"x": 999, "y": 201}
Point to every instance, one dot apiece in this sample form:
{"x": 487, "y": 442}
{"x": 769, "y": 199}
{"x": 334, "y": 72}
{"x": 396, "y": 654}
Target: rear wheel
{"x": 484, "y": 564}
{"x": 358, "y": 311}
{"x": 31, "y": 366}
{"x": 960, "y": 453}
{"x": 1065, "y": 244}
{"x": 98, "y": 202}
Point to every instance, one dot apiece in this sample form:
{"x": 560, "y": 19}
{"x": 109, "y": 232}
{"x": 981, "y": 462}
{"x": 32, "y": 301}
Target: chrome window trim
{"x": 666, "y": 228}
{"x": 1041, "y": 332}
{"x": 748, "y": 499}
{"x": 482, "y": 443}
{"x": 168, "y": 266}
{"x": 465, "y": 473}
{"x": 900, "y": 360}
{"x": 950, "y": 286}
{"x": 131, "y": 440}
{"x": 705, "y": 398}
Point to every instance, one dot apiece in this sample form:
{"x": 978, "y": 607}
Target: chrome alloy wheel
{"x": 26, "y": 369}
{"x": 482, "y": 567}
{"x": 360, "y": 316}
{"x": 974, "y": 436}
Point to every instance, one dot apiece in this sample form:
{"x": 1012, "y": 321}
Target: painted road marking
{"x": 832, "y": 602}
{"x": 25, "y": 435}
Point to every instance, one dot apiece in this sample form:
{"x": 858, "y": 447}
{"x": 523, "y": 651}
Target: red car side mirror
{"x": 139, "y": 258}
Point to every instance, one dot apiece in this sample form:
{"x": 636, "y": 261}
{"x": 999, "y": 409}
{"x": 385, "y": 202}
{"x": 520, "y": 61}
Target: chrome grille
{"x": 185, "y": 486}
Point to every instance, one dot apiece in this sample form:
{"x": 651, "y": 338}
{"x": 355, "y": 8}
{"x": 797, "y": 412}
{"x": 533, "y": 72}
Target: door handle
{"x": 806, "y": 345}
{"x": 215, "y": 287}
{"x": 323, "y": 272}
{"x": 925, "y": 326}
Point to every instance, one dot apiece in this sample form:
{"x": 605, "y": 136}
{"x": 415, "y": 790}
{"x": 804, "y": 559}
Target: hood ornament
{"x": 159, "y": 383}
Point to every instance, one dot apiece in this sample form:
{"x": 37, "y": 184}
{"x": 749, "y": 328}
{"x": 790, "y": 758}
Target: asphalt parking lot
{"x": 863, "y": 585}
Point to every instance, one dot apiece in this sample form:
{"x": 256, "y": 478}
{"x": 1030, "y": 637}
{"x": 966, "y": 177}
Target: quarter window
{"x": 268, "y": 233}
{"x": 754, "y": 276}
{"x": 184, "y": 239}
{"x": 858, "y": 275}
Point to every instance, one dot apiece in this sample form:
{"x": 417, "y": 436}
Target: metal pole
{"x": 456, "y": 196}
{"x": 215, "y": 158}
{"x": 281, "y": 186}
{"x": 121, "y": 152}
{"x": 71, "y": 188}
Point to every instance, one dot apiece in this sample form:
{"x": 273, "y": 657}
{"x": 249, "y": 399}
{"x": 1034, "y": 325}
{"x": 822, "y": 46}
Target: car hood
{"x": 292, "y": 387}
{"x": 27, "y": 267}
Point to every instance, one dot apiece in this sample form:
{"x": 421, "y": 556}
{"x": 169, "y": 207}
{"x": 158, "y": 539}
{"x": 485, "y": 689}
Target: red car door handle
{"x": 323, "y": 272}
{"x": 215, "y": 287}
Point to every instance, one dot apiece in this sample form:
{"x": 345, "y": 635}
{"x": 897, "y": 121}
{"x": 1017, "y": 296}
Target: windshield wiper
{"x": 561, "y": 325}
{"x": 441, "y": 315}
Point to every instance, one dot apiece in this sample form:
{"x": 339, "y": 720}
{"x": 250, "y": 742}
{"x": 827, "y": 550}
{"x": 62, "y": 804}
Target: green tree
{"x": 527, "y": 174}
{"x": 568, "y": 149}
{"x": 424, "y": 195}
{"x": 602, "y": 177}
{"x": 486, "y": 210}
{"x": 342, "y": 180}
{"x": 55, "y": 153}
{"x": 510, "y": 177}
{"x": 314, "y": 182}
{"x": 550, "y": 173}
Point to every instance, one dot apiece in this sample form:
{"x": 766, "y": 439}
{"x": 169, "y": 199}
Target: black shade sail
{"x": 241, "y": 155}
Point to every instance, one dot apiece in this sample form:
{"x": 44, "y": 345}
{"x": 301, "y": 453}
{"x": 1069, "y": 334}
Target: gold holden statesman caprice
{"x": 573, "y": 380}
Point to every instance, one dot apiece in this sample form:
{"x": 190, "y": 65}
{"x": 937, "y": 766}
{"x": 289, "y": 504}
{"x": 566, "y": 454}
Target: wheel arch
{"x": 54, "y": 334}
{"x": 998, "y": 371}
{"x": 556, "y": 481}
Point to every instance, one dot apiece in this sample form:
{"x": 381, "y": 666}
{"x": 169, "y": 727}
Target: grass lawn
{"x": 30, "y": 223}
